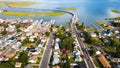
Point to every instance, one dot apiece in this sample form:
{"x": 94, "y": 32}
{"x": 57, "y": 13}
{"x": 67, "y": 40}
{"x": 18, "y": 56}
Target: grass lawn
{"x": 97, "y": 63}
{"x": 33, "y": 13}
{"x": 35, "y": 66}
{"x": 109, "y": 49}
{"x": 18, "y": 4}
{"x": 90, "y": 29}
{"x": 31, "y": 44}
{"x": 42, "y": 50}
{"x": 2, "y": 4}
{"x": 100, "y": 23}
{"x": 39, "y": 59}
{"x": 71, "y": 8}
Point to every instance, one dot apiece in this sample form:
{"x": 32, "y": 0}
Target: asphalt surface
{"x": 46, "y": 55}
{"x": 86, "y": 54}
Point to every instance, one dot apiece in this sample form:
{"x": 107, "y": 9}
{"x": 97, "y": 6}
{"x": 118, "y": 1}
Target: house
{"x": 56, "y": 59}
{"x": 18, "y": 65}
{"x": 56, "y": 47}
{"x": 2, "y": 20}
{"x": 115, "y": 60}
{"x": 118, "y": 36}
{"x": 55, "y": 66}
{"x": 1, "y": 28}
{"x": 54, "y": 29}
{"x": 1, "y": 11}
{"x": 34, "y": 51}
{"x": 17, "y": 45}
{"x": 41, "y": 44}
{"x": 11, "y": 54}
{"x": 57, "y": 40}
{"x": 33, "y": 59}
{"x": 93, "y": 34}
{"x": 43, "y": 39}
{"x": 116, "y": 32}
{"x": 23, "y": 48}
{"x": 104, "y": 61}
{"x": 11, "y": 38}
{"x": 17, "y": 56}
{"x": 3, "y": 58}
{"x": 11, "y": 28}
{"x": 77, "y": 56}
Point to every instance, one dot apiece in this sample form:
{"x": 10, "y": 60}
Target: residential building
{"x": 104, "y": 61}
{"x": 18, "y": 65}
{"x": 33, "y": 59}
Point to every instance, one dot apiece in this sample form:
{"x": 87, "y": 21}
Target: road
{"x": 46, "y": 56}
{"x": 85, "y": 52}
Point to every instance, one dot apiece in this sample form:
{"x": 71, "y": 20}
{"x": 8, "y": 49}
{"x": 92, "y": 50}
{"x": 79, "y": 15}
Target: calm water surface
{"x": 89, "y": 11}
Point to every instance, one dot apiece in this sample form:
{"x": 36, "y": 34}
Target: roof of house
{"x": 55, "y": 66}
{"x": 104, "y": 61}
{"x": 18, "y": 64}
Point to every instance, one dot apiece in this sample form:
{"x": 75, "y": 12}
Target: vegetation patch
{"x": 18, "y": 4}
{"x": 70, "y": 8}
{"x": 97, "y": 63}
{"x": 115, "y": 11}
{"x": 33, "y": 13}
{"x": 2, "y": 4}
{"x": 6, "y": 65}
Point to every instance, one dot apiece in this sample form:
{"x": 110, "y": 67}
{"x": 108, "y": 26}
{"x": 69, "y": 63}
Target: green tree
{"x": 18, "y": 30}
{"x": 67, "y": 64}
{"x": 17, "y": 25}
{"x": 4, "y": 32}
{"x": 92, "y": 52}
{"x": 67, "y": 43}
{"x": 115, "y": 42}
{"x": 47, "y": 33}
{"x": 25, "y": 41}
{"x": 68, "y": 23}
{"x": 23, "y": 58}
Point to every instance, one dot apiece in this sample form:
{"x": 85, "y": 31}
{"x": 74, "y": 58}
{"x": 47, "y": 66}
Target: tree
{"x": 4, "y": 32}
{"x": 68, "y": 23}
{"x": 92, "y": 52}
{"x": 47, "y": 33}
{"x": 17, "y": 25}
{"x": 23, "y": 58}
{"x": 67, "y": 43}
{"x": 91, "y": 40}
{"x": 18, "y": 30}
{"x": 67, "y": 64}
{"x": 115, "y": 42}
{"x": 25, "y": 41}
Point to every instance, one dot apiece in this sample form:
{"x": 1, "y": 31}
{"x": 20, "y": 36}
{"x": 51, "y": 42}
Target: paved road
{"x": 46, "y": 56}
{"x": 87, "y": 57}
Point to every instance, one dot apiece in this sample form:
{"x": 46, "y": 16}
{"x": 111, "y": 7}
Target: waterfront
{"x": 88, "y": 11}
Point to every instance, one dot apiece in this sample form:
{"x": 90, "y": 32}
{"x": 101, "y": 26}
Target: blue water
{"x": 89, "y": 11}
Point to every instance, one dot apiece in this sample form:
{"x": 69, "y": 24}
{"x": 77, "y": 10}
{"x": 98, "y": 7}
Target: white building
{"x": 93, "y": 34}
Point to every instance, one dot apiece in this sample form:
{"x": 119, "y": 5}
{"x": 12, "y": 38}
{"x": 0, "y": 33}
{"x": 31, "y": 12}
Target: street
{"x": 87, "y": 57}
{"x": 46, "y": 56}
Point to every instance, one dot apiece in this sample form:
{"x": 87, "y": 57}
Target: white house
{"x": 93, "y": 34}
{"x": 56, "y": 59}
{"x": 11, "y": 28}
